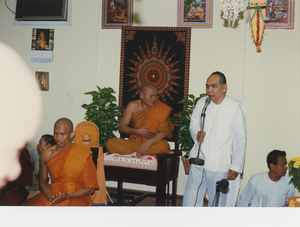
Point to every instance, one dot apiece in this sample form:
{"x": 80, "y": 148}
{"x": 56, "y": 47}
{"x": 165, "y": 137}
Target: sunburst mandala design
{"x": 154, "y": 67}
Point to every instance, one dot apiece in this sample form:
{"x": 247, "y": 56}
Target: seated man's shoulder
{"x": 257, "y": 177}
{"x": 134, "y": 106}
{"x": 48, "y": 153}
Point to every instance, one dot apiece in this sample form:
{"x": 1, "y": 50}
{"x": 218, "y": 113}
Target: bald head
{"x": 145, "y": 87}
{"x": 66, "y": 122}
{"x": 148, "y": 95}
{"x": 63, "y": 133}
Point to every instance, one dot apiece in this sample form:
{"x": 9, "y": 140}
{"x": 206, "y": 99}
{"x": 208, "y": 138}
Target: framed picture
{"x": 42, "y": 44}
{"x": 195, "y": 13}
{"x": 43, "y": 80}
{"x": 156, "y": 55}
{"x": 117, "y": 13}
{"x": 281, "y": 14}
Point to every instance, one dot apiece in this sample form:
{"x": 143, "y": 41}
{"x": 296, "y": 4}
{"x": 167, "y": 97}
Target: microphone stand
{"x": 217, "y": 195}
{"x": 198, "y": 161}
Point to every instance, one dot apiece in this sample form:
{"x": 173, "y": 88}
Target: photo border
{"x": 208, "y": 21}
{"x": 290, "y": 22}
{"x": 117, "y": 25}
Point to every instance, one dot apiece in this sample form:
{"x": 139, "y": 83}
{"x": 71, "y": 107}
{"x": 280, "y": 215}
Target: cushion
{"x": 131, "y": 161}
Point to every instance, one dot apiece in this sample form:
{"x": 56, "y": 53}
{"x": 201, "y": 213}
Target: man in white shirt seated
{"x": 45, "y": 142}
{"x": 272, "y": 188}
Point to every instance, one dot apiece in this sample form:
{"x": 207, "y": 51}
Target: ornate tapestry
{"x": 156, "y": 55}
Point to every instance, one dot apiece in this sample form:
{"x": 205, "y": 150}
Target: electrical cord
{"x": 199, "y": 188}
{"x": 9, "y": 8}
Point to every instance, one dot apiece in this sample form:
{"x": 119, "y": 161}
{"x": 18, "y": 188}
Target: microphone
{"x": 207, "y": 102}
{"x": 222, "y": 184}
{"x": 198, "y": 161}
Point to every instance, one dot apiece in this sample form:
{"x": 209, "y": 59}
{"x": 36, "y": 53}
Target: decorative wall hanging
{"x": 117, "y": 13}
{"x": 197, "y": 14}
{"x": 42, "y": 45}
{"x": 281, "y": 14}
{"x": 157, "y": 55}
{"x": 231, "y": 9}
{"x": 257, "y": 16}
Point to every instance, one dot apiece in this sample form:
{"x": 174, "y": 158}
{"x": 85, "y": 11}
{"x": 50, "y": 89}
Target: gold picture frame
{"x": 43, "y": 80}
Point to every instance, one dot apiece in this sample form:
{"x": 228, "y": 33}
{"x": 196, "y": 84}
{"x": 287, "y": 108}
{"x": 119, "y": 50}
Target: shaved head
{"x": 145, "y": 86}
{"x": 66, "y": 121}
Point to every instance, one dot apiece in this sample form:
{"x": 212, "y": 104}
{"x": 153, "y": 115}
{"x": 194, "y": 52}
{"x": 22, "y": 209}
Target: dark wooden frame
{"x": 167, "y": 171}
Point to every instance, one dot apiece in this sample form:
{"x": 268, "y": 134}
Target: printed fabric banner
{"x": 156, "y": 55}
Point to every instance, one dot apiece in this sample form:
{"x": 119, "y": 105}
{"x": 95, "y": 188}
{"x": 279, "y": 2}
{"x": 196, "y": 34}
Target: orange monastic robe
{"x": 158, "y": 119}
{"x": 71, "y": 169}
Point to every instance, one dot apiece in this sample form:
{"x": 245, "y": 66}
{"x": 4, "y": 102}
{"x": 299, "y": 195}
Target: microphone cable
{"x": 199, "y": 188}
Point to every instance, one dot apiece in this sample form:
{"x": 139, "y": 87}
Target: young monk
{"x": 72, "y": 171}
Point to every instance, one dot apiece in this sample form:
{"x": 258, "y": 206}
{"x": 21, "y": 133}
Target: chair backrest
{"x": 86, "y": 134}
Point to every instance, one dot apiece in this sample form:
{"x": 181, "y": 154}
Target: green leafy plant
{"x": 185, "y": 141}
{"x": 294, "y": 171}
{"x": 103, "y": 112}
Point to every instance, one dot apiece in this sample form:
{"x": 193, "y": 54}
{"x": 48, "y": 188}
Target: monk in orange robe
{"x": 73, "y": 173}
{"x": 147, "y": 122}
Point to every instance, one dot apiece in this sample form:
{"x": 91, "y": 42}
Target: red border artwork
{"x": 281, "y": 14}
{"x": 117, "y": 13}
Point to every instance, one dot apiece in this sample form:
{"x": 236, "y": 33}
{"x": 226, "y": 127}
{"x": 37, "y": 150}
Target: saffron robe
{"x": 71, "y": 169}
{"x": 99, "y": 197}
{"x": 158, "y": 119}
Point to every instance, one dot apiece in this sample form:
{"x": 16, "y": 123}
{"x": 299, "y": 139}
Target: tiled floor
{"x": 149, "y": 201}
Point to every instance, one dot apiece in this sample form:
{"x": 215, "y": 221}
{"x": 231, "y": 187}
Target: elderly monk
{"x": 147, "y": 122}
{"x": 72, "y": 171}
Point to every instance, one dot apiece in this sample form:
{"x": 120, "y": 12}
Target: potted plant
{"x": 185, "y": 140}
{"x": 103, "y": 112}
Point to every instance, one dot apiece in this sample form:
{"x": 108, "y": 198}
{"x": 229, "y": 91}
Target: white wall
{"x": 86, "y": 55}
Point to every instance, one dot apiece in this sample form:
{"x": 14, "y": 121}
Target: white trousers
{"x": 234, "y": 188}
{"x": 199, "y": 181}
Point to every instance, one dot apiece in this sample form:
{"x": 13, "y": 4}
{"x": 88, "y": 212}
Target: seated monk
{"x": 147, "y": 122}
{"x": 72, "y": 171}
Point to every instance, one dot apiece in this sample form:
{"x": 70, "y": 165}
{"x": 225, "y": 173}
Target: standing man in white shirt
{"x": 223, "y": 144}
{"x": 272, "y": 188}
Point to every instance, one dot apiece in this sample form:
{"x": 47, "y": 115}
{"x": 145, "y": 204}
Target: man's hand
{"x": 200, "y": 136}
{"x": 142, "y": 150}
{"x": 231, "y": 175}
{"x": 144, "y": 132}
{"x": 58, "y": 198}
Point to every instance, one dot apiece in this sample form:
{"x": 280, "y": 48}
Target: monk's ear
{"x": 72, "y": 134}
{"x": 141, "y": 95}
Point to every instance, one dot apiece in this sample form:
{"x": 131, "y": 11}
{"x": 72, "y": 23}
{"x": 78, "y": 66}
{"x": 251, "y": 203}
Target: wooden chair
{"x": 87, "y": 135}
{"x": 167, "y": 171}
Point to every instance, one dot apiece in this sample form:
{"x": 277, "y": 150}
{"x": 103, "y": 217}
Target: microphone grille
{"x": 208, "y": 100}
{"x": 224, "y": 183}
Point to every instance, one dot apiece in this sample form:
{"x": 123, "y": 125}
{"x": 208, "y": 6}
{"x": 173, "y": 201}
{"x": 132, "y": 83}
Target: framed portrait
{"x": 281, "y": 14}
{"x": 42, "y": 39}
{"x": 156, "y": 55}
{"x": 117, "y": 13}
{"x": 43, "y": 80}
{"x": 195, "y": 13}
